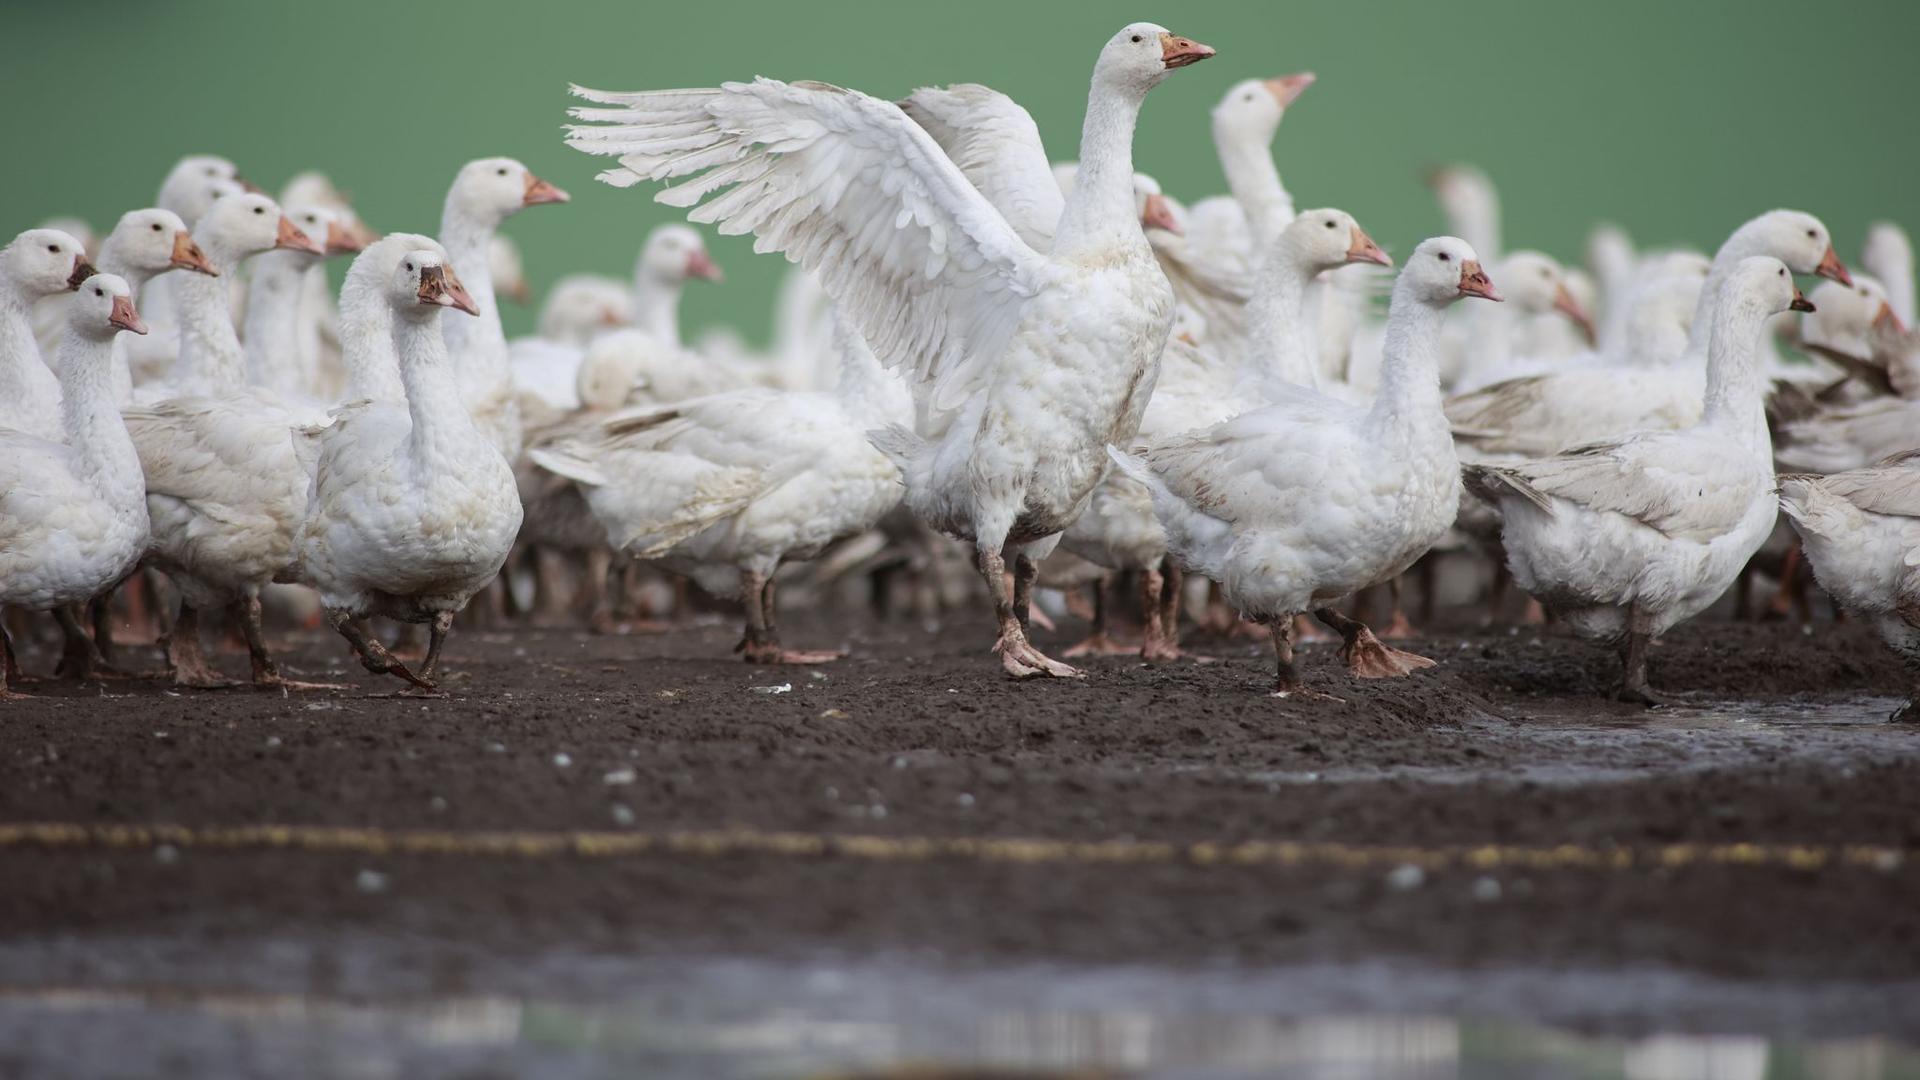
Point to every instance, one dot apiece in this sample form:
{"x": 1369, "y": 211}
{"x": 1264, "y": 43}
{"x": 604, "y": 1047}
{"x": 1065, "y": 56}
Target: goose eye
{"x": 503, "y": 172}
{"x": 1444, "y": 257}
{"x": 97, "y": 292}
{"x": 259, "y": 209}
{"x": 1329, "y": 224}
{"x": 409, "y": 267}
{"x": 1779, "y": 273}
{"x": 1136, "y": 39}
{"x": 55, "y": 248}
{"x": 156, "y": 226}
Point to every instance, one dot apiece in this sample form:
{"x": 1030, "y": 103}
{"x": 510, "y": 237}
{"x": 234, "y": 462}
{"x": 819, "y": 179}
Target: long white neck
{"x": 1284, "y": 344}
{"x": 656, "y": 307}
{"x": 210, "y": 354}
{"x": 1735, "y": 397}
{"x": 1254, "y": 180}
{"x": 113, "y": 260}
{"x": 272, "y": 328}
{"x": 444, "y": 435}
{"x": 1897, "y": 276}
{"x": 1740, "y": 245}
{"x": 367, "y": 344}
{"x": 1409, "y": 393}
{"x": 1099, "y": 215}
{"x": 29, "y": 393}
{"x": 90, "y": 416}
{"x": 468, "y": 240}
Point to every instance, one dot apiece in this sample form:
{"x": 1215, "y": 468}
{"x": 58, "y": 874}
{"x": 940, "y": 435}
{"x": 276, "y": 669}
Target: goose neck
{"x": 1254, "y": 180}
{"x": 90, "y": 413}
{"x": 1409, "y": 391}
{"x": 273, "y": 304}
{"x": 468, "y": 239}
{"x": 1284, "y": 345}
{"x": 19, "y": 353}
{"x": 210, "y": 354}
{"x": 1099, "y": 216}
{"x": 1734, "y": 392}
{"x": 367, "y": 344}
{"x": 443, "y": 434}
{"x": 656, "y": 307}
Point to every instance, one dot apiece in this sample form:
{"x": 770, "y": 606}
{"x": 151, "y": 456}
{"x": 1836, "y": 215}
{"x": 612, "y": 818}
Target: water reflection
{"x": 215, "y": 1035}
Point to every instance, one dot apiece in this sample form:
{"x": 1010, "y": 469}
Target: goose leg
{"x": 1159, "y": 641}
{"x": 1173, "y": 581}
{"x": 1633, "y": 683}
{"x": 185, "y": 657}
{"x": 1017, "y": 655}
{"x": 436, "y": 637}
{"x": 1902, "y": 631}
{"x": 1287, "y": 682}
{"x": 762, "y": 643}
{"x": 266, "y": 673}
{"x": 1098, "y": 641}
{"x": 1399, "y": 627}
{"x": 9, "y": 665}
{"x": 373, "y": 655}
{"x": 79, "y": 657}
{"x": 1366, "y": 657}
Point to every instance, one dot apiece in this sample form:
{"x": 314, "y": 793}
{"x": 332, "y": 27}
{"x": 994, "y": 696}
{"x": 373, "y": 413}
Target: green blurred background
{"x": 1676, "y": 119}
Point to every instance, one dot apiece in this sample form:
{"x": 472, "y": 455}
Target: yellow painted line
{"x": 537, "y": 844}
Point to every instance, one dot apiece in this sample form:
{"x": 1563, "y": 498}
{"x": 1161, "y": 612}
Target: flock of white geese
{"x": 1060, "y": 366}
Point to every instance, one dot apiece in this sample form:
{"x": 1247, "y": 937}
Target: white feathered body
{"x": 1710, "y": 504}
{"x": 1022, "y": 456}
{"x": 405, "y": 527}
{"x": 1296, "y": 505}
{"x": 226, "y": 480}
{"x": 1861, "y": 533}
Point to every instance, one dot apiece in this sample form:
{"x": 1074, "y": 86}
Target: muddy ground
{"x": 917, "y": 735}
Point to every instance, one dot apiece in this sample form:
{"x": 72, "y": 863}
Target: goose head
{"x": 196, "y": 182}
{"x": 103, "y": 308}
{"x": 154, "y": 241}
{"x": 1134, "y": 60}
{"x": 377, "y": 263}
{"x": 423, "y": 283}
{"x": 1444, "y": 269}
{"x": 1887, "y": 245}
{"x": 1798, "y": 239}
{"x": 1537, "y": 284}
{"x": 493, "y": 189}
{"x": 1848, "y": 314}
{"x": 243, "y": 225}
{"x": 323, "y": 225}
{"x": 580, "y": 306}
{"x": 1253, "y": 108}
{"x": 673, "y": 254}
{"x": 1319, "y": 240}
{"x": 44, "y": 262}
{"x": 1156, "y": 210}
{"x": 314, "y": 188}
{"x": 1765, "y": 284}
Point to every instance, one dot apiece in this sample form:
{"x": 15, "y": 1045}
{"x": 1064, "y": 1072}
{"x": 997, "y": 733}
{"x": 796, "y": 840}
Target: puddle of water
{"x": 755, "y": 1020}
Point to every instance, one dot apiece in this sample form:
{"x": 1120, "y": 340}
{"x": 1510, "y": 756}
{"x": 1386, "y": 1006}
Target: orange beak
{"x": 1887, "y": 319}
{"x": 539, "y": 191}
{"x": 188, "y": 256}
{"x": 342, "y": 241}
{"x": 1178, "y": 52}
{"x": 1364, "y": 250}
{"x": 1567, "y": 304}
{"x": 362, "y": 233}
{"x": 1475, "y": 282}
{"x": 82, "y": 270}
{"x": 248, "y": 186}
{"x": 521, "y": 293}
{"x": 1801, "y": 303}
{"x": 611, "y": 317}
{"x": 1288, "y": 87}
{"x": 125, "y": 317}
{"x": 701, "y": 265}
{"x": 1831, "y": 267}
{"x": 292, "y": 239}
{"x": 438, "y": 285}
{"x": 1158, "y": 214}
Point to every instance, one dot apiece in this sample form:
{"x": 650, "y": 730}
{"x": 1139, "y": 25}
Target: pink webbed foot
{"x": 1367, "y": 658}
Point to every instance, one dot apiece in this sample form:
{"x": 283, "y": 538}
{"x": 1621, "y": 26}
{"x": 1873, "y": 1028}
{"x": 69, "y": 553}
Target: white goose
{"x": 190, "y": 189}
{"x": 727, "y": 488}
{"x": 1888, "y": 255}
{"x": 546, "y": 366}
{"x": 281, "y": 351}
{"x": 143, "y": 245}
{"x": 1544, "y": 414}
{"x": 1861, "y": 531}
{"x": 1498, "y": 348}
{"x": 414, "y": 523}
{"x": 226, "y": 473}
{"x": 1028, "y": 364}
{"x": 38, "y": 263}
{"x": 484, "y": 194}
{"x": 1297, "y": 505}
{"x": 647, "y": 362}
{"x": 1854, "y": 322}
{"x": 1627, "y": 537}
{"x": 73, "y": 516}
{"x": 317, "y": 334}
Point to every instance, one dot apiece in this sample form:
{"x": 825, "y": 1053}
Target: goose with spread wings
{"x": 1026, "y": 364}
